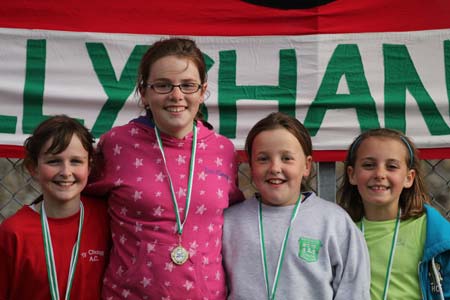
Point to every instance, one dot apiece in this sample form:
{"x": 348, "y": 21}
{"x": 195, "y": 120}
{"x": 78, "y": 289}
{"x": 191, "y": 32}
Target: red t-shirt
{"x": 23, "y": 270}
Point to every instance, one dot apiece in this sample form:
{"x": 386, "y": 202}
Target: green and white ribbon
{"x": 271, "y": 292}
{"x": 50, "y": 258}
{"x": 391, "y": 255}
{"x": 180, "y": 224}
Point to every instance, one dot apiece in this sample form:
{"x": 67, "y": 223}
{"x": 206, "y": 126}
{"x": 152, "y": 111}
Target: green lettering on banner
{"x": 229, "y": 92}
{"x": 447, "y": 69}
{"x": 345, "y": 61}
{"x": 401, "y": 75}
{"x": 33, "y": 94}
{"x": 8, "y": 124}
{"x": 209, "y": 62}
{"x": 117, "y": 91}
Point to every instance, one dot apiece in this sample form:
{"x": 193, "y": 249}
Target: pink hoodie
{"x": 142, "y": 214}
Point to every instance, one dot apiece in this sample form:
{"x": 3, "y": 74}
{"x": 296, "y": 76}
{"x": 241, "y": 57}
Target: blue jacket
{"x": 434, "y": 269}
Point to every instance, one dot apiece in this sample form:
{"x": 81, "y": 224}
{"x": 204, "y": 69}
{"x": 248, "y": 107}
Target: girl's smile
{"x": 174, "y": 112}
{"x": 278, "y": 165}
{"x": 381, "y": 173}
{"x": 62, "y": 176}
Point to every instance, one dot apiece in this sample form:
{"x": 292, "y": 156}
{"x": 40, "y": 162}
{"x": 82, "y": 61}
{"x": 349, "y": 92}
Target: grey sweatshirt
{"x": 326, "y": 255}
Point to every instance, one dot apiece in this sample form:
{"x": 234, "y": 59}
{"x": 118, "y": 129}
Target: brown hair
{"x": 411, "y": 199}
{"x": 60, "y": 129}
{"x": 180, "y": 47}
{"x": 281, "y": 120}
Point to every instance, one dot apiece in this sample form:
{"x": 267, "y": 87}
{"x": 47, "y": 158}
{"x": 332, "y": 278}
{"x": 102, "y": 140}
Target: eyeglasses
{"x": 166, "y": 87}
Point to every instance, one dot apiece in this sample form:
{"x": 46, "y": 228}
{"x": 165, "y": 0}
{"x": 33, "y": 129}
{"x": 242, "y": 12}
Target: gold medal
{"x": 179, "y": 255}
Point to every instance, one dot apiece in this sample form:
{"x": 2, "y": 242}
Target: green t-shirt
{"x": 404, "y": 283}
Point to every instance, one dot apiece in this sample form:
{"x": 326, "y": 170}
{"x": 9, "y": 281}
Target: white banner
{"x": 337, "y": 85}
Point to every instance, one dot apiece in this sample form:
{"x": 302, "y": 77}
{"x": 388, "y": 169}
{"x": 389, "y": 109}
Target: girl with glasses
{"x": 168, "y": 177}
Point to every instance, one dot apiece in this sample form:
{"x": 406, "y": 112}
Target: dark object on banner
{"x": 289, "y": 4}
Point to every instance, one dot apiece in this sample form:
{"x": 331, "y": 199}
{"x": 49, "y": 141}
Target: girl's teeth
{"x": 379, "y": 188}
{"x": 276, "y": 181}
{"x": 175, "y": 109}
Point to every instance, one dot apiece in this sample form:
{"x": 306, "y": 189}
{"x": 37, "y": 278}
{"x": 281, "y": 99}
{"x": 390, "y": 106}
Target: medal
{"x": 50, "y": 258}
{"x": 180, "y": 255}
{"x": 271, "y": 291}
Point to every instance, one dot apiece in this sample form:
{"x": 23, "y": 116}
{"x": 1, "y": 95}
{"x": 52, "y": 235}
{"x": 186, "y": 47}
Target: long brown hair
{"x": 180, "y": 47}
{"x": 411, "y": 199}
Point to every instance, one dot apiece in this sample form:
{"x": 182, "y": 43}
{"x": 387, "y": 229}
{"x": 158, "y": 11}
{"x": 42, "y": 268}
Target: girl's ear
{"x": 351, "y": 175}
{"x": 141, "y": 90}
{"x": 409, "y": 179}
{"x": 308, "y": 166}
{"x": 203, "y": 92}
{"x": 31, "y": 168}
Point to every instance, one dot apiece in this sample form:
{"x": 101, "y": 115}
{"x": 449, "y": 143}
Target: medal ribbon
{"x": 190, "y": 178}
{"x": 391, "y": 255}
{"x": 271, "y": 292}
{"x": 50, "y": 258}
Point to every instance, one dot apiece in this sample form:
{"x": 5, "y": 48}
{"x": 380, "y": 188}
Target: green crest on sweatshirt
{"x": 309, "y": 249}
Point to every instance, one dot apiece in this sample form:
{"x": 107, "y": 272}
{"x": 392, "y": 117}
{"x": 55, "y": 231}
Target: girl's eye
{"x": 392, "y": 166}
{"x": 286, "y": 158}
{"x": 162, "y": 85}
{"x": 261, "y": 158}
{"x": 52, "y": 161}
{"x": 188, "y": 85}
{"x": 368, "y": 165}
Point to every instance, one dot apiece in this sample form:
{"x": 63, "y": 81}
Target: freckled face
{"x": 381, "y": 173}
{"x": 62, "y": 176}
{"x": 174, "y": 112}
{"x": 278, "y": 165}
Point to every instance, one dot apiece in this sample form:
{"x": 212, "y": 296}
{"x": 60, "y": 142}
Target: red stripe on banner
{"x": 10, "y": 151}
{"x": 227, "y": 18}
{"x": 340, "y": 155}
{"x": 329, "y": 155}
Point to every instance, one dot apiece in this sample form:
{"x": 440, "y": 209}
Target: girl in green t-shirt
{"x": 384, "y": 192}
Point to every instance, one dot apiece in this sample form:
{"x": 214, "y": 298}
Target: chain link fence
{"x": 17, "y": 188}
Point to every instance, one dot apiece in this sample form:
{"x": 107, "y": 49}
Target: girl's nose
{"x": 380, "y": 172}
{"x": 66, "y": 170}
{"x": 176, "y": 94}
{"x": 275, "y": 167}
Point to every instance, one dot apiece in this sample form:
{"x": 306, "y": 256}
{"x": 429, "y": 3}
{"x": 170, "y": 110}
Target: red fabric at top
{"x": 320, "y": 155}
{"x": 228, "y": 18}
